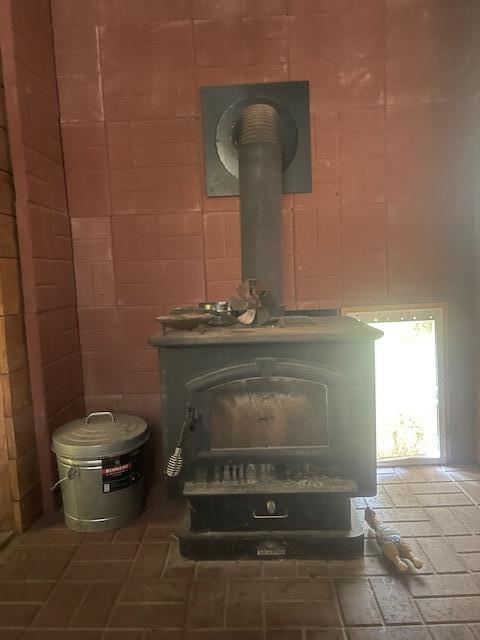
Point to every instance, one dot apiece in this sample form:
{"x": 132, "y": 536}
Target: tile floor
{"x": 132, "y": 584}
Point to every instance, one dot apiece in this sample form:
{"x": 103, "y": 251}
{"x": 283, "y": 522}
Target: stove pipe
{"x": 260, "y": 185}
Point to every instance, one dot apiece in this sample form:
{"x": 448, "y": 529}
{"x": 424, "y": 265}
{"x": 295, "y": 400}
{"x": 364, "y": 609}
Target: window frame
{"x": 399, "y": 313}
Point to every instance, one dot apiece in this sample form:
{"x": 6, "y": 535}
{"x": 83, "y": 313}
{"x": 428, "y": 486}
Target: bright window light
{"x": 406, "y": 384}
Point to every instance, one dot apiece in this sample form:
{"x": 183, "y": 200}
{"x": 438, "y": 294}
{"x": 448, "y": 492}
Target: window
{"x": 408, "y": 383}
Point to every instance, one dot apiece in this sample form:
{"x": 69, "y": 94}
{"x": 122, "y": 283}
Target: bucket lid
{"x": 100, "y": 434}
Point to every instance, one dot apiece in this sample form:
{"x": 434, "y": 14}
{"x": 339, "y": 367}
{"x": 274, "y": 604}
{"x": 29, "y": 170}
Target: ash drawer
{"x": 278, "y": 512}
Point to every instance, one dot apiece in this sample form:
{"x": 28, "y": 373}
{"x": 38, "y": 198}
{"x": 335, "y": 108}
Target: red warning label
{"x": 113, "y": 470}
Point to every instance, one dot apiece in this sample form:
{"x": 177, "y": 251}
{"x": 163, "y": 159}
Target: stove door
{"x": 268, "y": 408}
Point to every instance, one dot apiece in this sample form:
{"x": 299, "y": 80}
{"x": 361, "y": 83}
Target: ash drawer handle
{"x": 99, "y": 413}
{"x": 281, "y": 516}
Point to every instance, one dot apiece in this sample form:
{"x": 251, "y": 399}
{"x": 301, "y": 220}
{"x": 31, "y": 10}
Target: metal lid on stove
{"x": 100, "y": 434}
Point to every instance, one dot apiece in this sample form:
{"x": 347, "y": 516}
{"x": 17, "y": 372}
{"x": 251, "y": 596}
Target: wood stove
{"x": 280, "y": 437}
{"x": 275, "y": 419}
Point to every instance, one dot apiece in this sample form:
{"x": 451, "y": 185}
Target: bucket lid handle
{"x": 99, "y": 413}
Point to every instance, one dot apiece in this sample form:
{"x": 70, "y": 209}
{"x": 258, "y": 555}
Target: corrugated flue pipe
{"x": 260, "y": 178}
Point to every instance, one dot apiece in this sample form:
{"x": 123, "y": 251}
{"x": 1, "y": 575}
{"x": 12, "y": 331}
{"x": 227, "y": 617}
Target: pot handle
{"x": 99, "y": 413}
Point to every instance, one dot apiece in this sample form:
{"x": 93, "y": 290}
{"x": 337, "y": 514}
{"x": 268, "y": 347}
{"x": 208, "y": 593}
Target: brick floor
{"x": 133, "y": 585}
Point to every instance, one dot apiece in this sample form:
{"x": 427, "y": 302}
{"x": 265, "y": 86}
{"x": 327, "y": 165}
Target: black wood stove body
{"x": 280, "y": 436}
{"x": 280, "y": 425}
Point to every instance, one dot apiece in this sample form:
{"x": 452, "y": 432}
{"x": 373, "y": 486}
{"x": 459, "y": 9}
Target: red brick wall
{"x": 389, "y": 218}
{"x": 43, "y": 225}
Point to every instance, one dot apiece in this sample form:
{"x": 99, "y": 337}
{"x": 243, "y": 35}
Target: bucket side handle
{"x": 99, "y": 413}
{"x": 70, "y": 474}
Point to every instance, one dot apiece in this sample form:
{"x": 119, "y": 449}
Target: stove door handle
{"x": 270, "y": 517}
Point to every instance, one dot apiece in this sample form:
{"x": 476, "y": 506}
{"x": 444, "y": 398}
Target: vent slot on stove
{"x": 296, "y": 477}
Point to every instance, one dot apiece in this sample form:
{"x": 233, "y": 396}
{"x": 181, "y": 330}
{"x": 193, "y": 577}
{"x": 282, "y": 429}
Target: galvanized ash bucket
{"x": 100, "y": 470}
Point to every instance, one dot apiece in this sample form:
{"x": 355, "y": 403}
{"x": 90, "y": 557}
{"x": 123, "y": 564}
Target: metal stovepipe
{"x": 260, "y": 178}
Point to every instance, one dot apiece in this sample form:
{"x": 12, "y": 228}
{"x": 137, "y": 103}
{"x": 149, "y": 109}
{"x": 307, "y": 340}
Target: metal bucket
{"x": 100, "y": 470}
